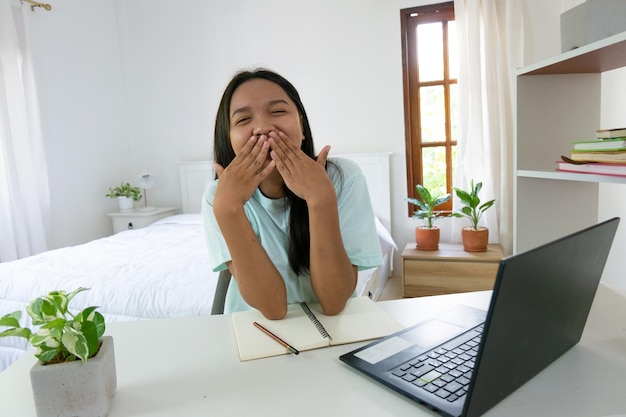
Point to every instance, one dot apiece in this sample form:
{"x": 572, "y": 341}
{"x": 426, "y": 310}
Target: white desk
{"x": 190, "y": 367}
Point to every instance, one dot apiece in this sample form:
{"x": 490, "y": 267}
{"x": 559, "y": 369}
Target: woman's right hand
{"x": 239, "y": 180}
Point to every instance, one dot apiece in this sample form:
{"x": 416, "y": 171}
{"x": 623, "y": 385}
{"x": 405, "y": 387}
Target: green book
{"x": 611, "y": 145}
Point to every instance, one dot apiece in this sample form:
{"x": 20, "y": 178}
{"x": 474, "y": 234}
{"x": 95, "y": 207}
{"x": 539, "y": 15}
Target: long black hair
{"x": 299, "y": 234}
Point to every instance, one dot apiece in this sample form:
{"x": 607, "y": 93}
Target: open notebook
{"x": 362, "y": 319}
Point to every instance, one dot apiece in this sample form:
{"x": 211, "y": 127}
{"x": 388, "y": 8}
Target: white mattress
{"x": 161, "y": 271}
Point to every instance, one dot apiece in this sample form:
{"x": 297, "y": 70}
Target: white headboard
{"x": 194, "y": 177}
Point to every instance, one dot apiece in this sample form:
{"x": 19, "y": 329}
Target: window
{"x": 430, "y": 97}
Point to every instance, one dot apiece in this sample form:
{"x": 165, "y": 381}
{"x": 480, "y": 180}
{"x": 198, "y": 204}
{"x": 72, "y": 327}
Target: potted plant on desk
{"x": 475, "y": 238}
{"x": 427, "y": 236}
{"x": 75, "y": 374}
{"x": 126, "y": 195}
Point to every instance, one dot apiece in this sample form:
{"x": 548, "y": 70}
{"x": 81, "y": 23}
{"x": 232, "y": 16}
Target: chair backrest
{"x": 220, "y": 292}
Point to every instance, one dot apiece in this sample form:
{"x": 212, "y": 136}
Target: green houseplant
{"x": 126, "y": 194}
{"x": 475, "y": 238}
{"x": 125, "y": 190}
{"x": 75, "y": 374}
{"x": 427, "y": 236}
{"x": 61, "y": 337}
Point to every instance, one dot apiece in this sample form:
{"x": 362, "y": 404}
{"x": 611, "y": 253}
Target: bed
{"x": 162, "y": 270}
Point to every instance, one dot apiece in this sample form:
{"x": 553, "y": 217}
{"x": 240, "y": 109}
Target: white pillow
{"x": 194, "y": 218}
{"x": 386, "y": 241}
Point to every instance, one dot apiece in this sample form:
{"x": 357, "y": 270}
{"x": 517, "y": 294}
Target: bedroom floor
{"x": 392, "y": 290}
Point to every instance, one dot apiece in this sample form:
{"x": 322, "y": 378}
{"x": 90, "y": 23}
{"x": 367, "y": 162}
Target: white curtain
{"x": 24, "y": 199}
{"x": 490, "y": 36}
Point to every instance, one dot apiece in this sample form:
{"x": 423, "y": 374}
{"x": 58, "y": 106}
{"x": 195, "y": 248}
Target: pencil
{"x": 276, "y": 338}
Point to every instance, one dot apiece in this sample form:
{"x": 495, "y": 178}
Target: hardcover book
{"x": 601, "y": 145}
{"x": 610, "y": 133}
{"x": 593, "y": 168}
{"x": 607, "y": 157}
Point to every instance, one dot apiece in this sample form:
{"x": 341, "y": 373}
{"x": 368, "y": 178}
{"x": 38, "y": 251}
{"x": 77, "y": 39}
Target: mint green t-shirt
{"x": 270, "y": 221}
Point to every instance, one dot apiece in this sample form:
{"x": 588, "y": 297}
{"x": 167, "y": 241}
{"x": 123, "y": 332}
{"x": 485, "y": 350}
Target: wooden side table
{"x": 448, "y": 270}
{"x": 138, "y": 219}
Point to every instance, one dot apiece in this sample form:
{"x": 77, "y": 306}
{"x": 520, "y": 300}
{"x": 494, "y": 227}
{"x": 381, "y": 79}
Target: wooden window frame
{"x": 411, "y": 89}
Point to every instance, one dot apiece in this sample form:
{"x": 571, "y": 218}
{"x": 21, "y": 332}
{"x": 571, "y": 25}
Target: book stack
{"x": 606, "y": 155}
{"x": 609, "y": 147}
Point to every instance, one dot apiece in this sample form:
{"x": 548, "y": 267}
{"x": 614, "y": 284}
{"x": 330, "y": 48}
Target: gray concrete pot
{"x": 76, "y": 388}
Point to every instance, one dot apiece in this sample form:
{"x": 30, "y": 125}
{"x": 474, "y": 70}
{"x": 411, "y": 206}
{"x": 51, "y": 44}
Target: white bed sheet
{"x": 160, "y": 271}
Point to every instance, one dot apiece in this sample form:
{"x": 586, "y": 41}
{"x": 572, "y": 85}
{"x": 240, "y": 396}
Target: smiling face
{"x": 224, "y": 142}
{"x": 258, "y": 107}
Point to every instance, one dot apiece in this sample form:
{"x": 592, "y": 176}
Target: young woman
{"x": 289, "y": 226}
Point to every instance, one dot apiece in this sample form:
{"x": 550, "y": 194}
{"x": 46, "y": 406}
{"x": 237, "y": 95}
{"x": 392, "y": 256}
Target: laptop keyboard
{"x": 445, "y": 371}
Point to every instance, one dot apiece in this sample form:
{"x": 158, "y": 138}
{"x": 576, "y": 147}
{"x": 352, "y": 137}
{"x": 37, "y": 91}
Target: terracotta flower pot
{"x": 475, "y": 240}
{"x": 427, "y": 238}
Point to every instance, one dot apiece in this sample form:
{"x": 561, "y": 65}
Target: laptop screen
{"x": 540, "y": 304}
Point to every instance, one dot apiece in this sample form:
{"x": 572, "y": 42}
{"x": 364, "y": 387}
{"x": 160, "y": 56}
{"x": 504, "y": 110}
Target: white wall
{"x": 612, "y": 201}
{"x": 81, "y": 91}
{"x": 343, "y": 56}
{"x": 128, "y": 86}
{"x": 134, "y": 85}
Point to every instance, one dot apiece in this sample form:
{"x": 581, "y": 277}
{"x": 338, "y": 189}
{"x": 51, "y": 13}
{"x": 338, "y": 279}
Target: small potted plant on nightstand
{"x": 427, "y": 236}
{"x": 475, "y": 238}
{"x": 126, "y": 195}
{"x": 75, "y": 374}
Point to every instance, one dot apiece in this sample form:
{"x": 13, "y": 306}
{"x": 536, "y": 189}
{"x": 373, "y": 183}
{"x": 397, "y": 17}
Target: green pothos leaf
{"x": 11, "y": 319}
{"x": 58, "y": 303}
{"x": 50, "y": 309}
{"x": 76, "y": 344}
{"x": 46, "y": 355}
{"x": 16, "y": 331}
{"x": 75, "y": 292}
{"x": 33, "y": 309}
{"x": 43, "y": 337}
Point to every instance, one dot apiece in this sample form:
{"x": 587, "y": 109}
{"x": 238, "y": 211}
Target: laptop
{"x": 466, "y": 360}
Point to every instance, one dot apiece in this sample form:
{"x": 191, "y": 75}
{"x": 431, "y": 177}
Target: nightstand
{"x": 138, "y": 219}
{"x": 448, "y": 270}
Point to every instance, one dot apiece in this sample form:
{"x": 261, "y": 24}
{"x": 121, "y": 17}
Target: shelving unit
{"x": 558, "y": 102}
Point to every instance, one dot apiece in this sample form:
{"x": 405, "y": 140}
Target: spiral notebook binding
{"x": 318, "y": 325}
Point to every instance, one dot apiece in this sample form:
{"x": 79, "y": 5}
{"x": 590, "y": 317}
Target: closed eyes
{"x": 241, "y": 120}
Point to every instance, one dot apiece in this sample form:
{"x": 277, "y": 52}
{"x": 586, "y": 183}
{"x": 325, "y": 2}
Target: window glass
{"x": 433, "y": 114}
{"x": 435, "y": 169}
{"x": 430, "y": 51}
{"x": 453, "y": 55}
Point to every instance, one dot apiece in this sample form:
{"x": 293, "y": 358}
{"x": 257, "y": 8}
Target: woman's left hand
{"x": 304, "y": 176}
